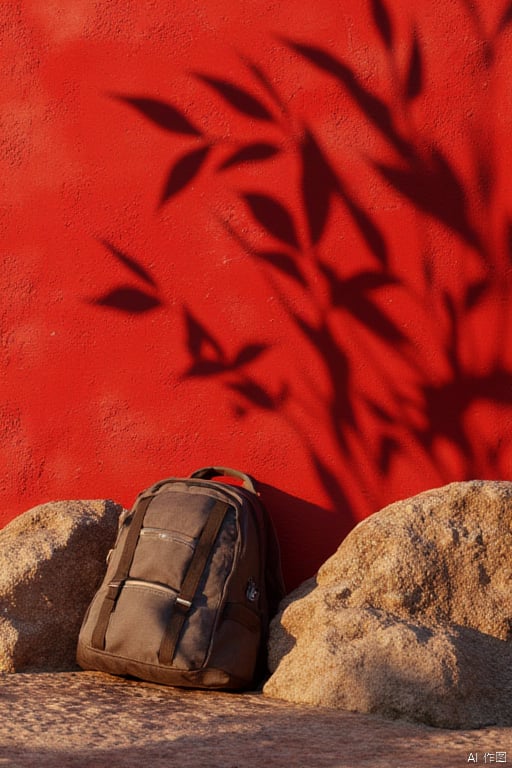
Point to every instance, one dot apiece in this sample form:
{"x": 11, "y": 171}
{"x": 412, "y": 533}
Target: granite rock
{"x": 52, "y": 559}
{"x": 411, "y": 617}
{"x": 92, "y": 720}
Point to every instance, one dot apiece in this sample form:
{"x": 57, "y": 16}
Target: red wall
{"x": 274, "y": 235}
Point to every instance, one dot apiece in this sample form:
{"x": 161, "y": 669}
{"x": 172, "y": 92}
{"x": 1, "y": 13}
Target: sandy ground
{"x": 85, "y": 719}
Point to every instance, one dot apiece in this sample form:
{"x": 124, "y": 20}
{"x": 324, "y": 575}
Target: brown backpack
{"x": 191, "y": 584}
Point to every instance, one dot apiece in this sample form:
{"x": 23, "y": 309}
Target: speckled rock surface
{"x": 90, "y": 720}
{"x": 51, "y": 560}
{"x": 411, "y": 617}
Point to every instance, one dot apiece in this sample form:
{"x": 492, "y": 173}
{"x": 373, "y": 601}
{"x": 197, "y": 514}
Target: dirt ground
{"x": 86, "y": 719}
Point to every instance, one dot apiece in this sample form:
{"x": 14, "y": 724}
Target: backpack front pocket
{"x": 138, "y": 621}
{"x": 162, "y": 556}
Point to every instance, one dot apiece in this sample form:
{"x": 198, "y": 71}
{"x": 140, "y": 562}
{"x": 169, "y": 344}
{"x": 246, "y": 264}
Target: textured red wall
{"x": 274, "y": 235}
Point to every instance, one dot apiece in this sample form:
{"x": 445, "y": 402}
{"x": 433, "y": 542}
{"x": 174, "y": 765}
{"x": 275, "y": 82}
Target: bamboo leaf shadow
{"x": 128, "y": 299}
{"x": 446, "y": 405}
{"x": 414, "y": 80}
{"x": 251, "y": 153}
{"x": 366, "y": 225}
{"x": 257, "y": 395}
{"x": 389, "y": 447}
{"x": 237, "y": 97}
{"x": 341, "y": 403}
{"x": 282, "y": 262}
{"x": 505, "y": 19}
{"x": 273, "y": 216}
{"x": 353, "y": 295}
{"x": 318, "y": 183}
{"x": 475, "y": 292}
{"x": 161, "y": 113}
{"x": 208, "y": 355}
{"x": 331, "y": 484}
{"x": 200, "y": 340}
{"x": 183, "y": 172}
{"x": 259, "y": 74}
{"x": 132, "y": 264}
{"x": 433, "y": 186}
{"x": 383, "y": 22}
{"x": 452, "y": 345}
{"x": 248, "y": 354}
{"x": 374, "y": 109}
{"x": 485, "y": 173}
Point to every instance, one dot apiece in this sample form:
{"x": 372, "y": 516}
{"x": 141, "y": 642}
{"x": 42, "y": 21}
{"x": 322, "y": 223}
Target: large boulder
{"x": 411, "y": 617}
{"x": 51, "y": 561}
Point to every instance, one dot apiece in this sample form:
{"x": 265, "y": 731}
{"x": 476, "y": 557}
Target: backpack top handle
{"x": 207, "y": 473}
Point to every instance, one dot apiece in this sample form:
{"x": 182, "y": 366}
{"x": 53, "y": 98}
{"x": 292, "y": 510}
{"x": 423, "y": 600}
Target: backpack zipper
{"x": 149, "y": 585}
{"x": 161, "y": 533}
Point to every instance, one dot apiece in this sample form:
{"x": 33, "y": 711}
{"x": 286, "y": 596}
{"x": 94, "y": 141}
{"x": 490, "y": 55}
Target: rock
{"x": 411, "y": 617}
{"x": 87, "y": 719}
{"x": 52, "y": 559}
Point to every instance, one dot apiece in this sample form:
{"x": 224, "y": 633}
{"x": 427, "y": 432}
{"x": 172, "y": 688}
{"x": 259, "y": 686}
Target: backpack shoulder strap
{"x": 191, "y": 581}
{"x": 121, "y": 573}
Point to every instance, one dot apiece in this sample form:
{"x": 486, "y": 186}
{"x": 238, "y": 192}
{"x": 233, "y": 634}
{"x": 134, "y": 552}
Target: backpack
{"x": 190, "y": 587}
